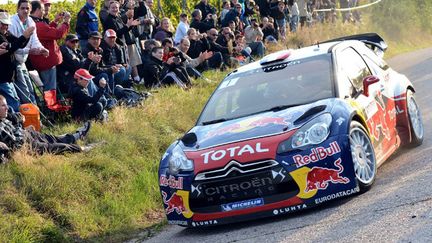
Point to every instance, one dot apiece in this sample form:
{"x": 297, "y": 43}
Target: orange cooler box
{"x": 32, "y": 115}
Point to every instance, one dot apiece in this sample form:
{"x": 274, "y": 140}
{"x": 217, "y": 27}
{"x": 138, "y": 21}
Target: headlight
{"x": 313, "y": 132}
{"x": 179, "y": 162}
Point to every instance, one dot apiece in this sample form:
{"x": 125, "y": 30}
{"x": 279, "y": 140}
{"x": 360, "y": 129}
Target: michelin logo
{"x": 243, "y": 204}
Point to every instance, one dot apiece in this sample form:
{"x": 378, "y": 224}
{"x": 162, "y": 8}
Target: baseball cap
{"x": 4, "y": 18}
{"x": 83, "y": 73}
{"x": 95, "y": 34}
{"x": 44, "y": 2}
{"x": 110, "y": 33}
{"x": 71, "y": 37}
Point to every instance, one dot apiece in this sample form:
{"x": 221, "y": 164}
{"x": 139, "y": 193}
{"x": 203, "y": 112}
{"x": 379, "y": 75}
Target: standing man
{"x": 48, "y": 35}
{"x": 182, "y": 29}
{"x": 20, "y": 22}
{"x": 87, "y": 22}
{"x": 9, "y": 44}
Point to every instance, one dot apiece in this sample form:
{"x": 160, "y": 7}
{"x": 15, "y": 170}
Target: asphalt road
{"x": 397, "y": 209}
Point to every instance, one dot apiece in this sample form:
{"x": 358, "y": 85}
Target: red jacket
{"x": 48, "y": 36}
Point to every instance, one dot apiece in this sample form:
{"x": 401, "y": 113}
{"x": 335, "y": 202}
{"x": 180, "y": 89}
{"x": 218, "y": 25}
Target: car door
{"x": 351, "y": 71}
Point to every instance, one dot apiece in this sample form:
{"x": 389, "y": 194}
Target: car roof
{"x": 294, "y": 54}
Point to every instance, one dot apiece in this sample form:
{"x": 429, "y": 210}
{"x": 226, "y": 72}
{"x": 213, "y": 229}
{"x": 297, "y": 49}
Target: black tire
{"x": 363, "y": 156}
{"x": 415, "y": 120}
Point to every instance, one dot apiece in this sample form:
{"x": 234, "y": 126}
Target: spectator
{"x": 225, "y": 51}
{"x": 303, "y": 12}
{"x": 264, "y": 7}
{"x": 114, "y": 55}
{"x": 147, "y": 19}
{"x": 269, "y": 31}
{"x": 85, "y": 106}
{"x": 115, "y": 22}
{"x": 47, "y": 8}
{"x": 253, "y": 36}
{"x": 202, "y": 25}
{"x": 164, "y": 30}
{"x": 182, "y": 28}
{"x": 13, "y": 136}
{"x": 87, "y": 22}
{"x": 278, "y": 14}
{"x": 104, "y": 11}
{"x": 294, "y": 15}
{"x": 195, "y": 62}
{"x": 226, "y": 6}
{"x": 146, "y": 54}
{"x": 198, "y": 43}
{"x": 158, "y": 73}
{"x": 97, "y": 67}
{"x": 48, "y": 35}
{"x": 9, "y": 44}
{"x": 205, "y": 9}
{"x": 20, "y": 22}
{"x": 72, "y": 61}
{"x": 234, "y": 13}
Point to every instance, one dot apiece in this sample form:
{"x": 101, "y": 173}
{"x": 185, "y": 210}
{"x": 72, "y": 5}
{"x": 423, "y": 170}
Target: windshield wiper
{"x": 215, "y": 121}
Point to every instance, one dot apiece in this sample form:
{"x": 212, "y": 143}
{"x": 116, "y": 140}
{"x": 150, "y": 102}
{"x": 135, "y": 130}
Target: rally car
{"x": 289, "y": 132}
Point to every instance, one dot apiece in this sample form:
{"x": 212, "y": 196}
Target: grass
{"x": 111, "y": 192}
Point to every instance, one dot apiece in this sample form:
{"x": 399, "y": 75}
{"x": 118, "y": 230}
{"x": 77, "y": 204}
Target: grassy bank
{"x": 111, "y": 192}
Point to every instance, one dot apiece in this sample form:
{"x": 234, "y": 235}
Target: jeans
{"x": 122, "y": 77}
{"x": 258, "y": 48}
{"x": 294, "y": 22}
{"x": 24, "y": 86}
{"x": 83, "y": 47}
{"x": 49, "y": 78}
{"x": 8, "y": 91}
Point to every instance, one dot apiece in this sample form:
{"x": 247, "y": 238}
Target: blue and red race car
{"x": 292, "y": 131}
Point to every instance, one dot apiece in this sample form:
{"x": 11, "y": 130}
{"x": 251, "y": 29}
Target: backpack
{"x": 129, "y": 97}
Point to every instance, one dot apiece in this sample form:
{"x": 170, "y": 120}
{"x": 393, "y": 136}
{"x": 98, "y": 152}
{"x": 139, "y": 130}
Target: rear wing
{"x": 372, "y": 40}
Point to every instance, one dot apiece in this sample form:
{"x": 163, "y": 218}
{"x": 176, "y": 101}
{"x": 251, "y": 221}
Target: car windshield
{"x": 271, "y": 88}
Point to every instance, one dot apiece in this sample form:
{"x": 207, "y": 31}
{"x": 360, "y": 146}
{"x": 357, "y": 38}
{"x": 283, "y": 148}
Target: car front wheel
{"x": 363, "y": 156}
{"x": 415, "y": 120}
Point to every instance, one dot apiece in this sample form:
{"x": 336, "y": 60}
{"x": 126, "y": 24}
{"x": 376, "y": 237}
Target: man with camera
{"x": 203, "y": 25}
{"x": 48, "y": 35}
{"x": 254, "y": 36}
{"x": 8, "y": 45}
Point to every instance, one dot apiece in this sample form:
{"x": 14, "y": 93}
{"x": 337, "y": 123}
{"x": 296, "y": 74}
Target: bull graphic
{"x": 174, "y": 203}
{"x": 319, "y": 178}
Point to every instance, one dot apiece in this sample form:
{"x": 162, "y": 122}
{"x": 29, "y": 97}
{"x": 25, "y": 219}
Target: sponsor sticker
{"x": 204, "y": 223}
{"x": 337, "y": 195}
{"x": 318, "y": 178}
{"x": 178, "y": 222}
{"x": 171, "y": 182}
{"x": 174, "y": 203}
{"x": 289, "y": 209}
{"x": 243, "y": 204}
{"x": 317, "y": 154}
{"x": 216, "y": 155}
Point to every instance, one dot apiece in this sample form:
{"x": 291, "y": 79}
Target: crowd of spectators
{"x": 138, "y": 48}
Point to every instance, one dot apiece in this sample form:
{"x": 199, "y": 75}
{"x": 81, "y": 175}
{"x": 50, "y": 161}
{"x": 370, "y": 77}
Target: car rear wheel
{"x": 363, "y": 156}
{"x": 415, "y": 120}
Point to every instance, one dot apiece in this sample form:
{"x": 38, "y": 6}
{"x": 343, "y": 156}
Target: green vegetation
{"x": 111, "y": 192}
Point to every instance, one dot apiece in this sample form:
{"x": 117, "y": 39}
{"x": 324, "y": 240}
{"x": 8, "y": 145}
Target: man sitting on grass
{"x": 13, "y": 136}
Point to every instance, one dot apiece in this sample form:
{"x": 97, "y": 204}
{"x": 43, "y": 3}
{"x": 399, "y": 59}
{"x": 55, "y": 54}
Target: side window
{"x": 354, "y": 67}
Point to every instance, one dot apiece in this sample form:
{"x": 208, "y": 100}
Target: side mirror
{"x": 189, "y": 139}
{"x": 367, "y": 81}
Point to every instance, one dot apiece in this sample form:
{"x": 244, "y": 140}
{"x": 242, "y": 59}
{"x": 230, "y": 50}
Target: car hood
{"x": 259, "y": 125}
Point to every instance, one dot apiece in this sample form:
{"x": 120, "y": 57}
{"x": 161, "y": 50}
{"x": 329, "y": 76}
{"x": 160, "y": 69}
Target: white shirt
{"x": 17, "y": 29}
{"x": 181, "y": 32}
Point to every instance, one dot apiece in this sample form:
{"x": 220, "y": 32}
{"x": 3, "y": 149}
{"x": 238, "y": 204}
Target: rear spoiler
{"x": 371, "y": 39}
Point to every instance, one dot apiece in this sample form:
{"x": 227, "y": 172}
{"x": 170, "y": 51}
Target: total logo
{"x": 317, "y": 154}
{"x": 216, "y": 155}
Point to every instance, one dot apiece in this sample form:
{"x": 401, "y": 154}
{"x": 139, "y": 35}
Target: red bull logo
{"x": 174, "y": 203}
{"x": 171, "y": 182}
{"x": 319, "y": 178}
{"x": 317, "y": 154}
{"x": 248, "y": 124}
